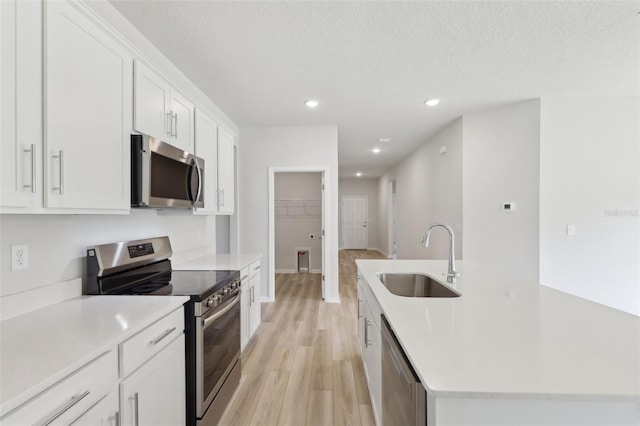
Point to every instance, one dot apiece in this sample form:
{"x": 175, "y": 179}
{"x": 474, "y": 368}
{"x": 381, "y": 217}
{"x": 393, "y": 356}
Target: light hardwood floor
{"x": 303, "y": 365}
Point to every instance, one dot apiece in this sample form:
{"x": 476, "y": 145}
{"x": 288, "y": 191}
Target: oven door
{"x": 217, "y": 349}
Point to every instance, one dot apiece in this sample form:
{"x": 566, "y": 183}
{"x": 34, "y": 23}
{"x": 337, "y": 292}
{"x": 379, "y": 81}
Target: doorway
{"x": 354, "y": 222}
{"x": 392, "y": 229}
{"x": 297, "y": 223}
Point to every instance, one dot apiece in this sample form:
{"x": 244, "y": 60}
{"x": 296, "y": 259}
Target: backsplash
{"x": 57, "y": 243}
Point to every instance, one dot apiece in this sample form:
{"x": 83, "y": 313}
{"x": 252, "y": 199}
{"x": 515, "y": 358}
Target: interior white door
{"x": 354, "y": 222}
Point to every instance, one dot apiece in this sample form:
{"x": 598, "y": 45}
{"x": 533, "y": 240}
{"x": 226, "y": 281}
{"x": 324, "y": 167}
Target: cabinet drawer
{"x": 373, "y": 304}
{"x": 244, "y": 274}
{"x": 70, "y": 397}
{"x": 254, "y": 268}
{"x": 139, "y": 348}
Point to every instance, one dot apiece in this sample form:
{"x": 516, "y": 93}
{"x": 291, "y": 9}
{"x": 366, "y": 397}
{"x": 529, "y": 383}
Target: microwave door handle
{"x": 195, "y": 160}
{"x": 196, "y": 166}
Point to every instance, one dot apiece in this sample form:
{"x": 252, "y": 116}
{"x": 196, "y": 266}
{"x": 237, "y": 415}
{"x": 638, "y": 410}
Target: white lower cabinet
{"x": 151, "y": 384}
{"x": 250, "y": 302}
{"x": 370, "y": 342}
{"x": 154, "y": 394}
{"x": 254, "y": 286}
{"x": 72, "y": 396}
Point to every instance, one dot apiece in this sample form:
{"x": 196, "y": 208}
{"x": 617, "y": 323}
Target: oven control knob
{"x": 209, "y": 302}
{"x": 226, "y": 291}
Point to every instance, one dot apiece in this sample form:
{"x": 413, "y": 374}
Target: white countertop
{"x": 504, "y": 338}
{"x": 41, "y": 347}
{"x": 220, "y": 262}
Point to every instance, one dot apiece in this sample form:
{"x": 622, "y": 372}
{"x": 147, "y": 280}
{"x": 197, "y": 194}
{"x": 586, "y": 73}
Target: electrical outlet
{"x": 19, "y": 257}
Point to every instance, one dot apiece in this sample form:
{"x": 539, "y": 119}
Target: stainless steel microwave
{"x": 163, "y": 176}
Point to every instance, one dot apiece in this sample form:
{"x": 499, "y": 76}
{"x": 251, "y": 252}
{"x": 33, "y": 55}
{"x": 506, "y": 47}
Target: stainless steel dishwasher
{"x": 403, "y": 396}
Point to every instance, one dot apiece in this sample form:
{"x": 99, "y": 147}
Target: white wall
{"x": 501, "y": 164}
{"x": 590, "y": 177}
{"x": 292, "y": 230}
{"x": 428, "y": 189}
{"x": 58, "y": 243}
{"x": 368, "y": 188}
{"x": 264, "y": 147}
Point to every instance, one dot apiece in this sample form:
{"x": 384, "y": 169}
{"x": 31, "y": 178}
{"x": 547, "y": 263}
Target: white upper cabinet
{"x": 20, "y": 105}
{"x": 161, "y": 111}
{"x": 183, "y": 123}
{"x": 226, "y": 172}
{"x": 206, "y": 148}
{"x": 151, "y": 103}
{"x": 87, "y": 118}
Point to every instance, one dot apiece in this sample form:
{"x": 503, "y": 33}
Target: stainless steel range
{"x": 212, "y": 316}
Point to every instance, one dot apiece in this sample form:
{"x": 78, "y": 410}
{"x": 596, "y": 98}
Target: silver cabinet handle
{"x": 115, "y": 418}
{"x": 175, "y": 117}
{"x": 66, "y": 407}
{"x": 257, "y": 268}
{"x": 366, "y": 332}
{"x": 60, "y": 188}
{"x": 244, "y": 277}
{"x": 222, "y": 192}
{"x": 162, "y": 336}
{"x": 169, "y": 123}
{"x": 135, "y": 400}
{"x": 32, "y": 151}
{"x": 359, "y": 301}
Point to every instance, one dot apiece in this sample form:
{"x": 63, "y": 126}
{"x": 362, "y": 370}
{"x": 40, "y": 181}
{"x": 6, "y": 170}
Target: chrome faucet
{"x": 451, "y": 273}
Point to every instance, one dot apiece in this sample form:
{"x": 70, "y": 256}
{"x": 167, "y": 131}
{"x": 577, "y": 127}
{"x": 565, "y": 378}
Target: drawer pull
{"x": 67, "y": 406}
{"x": 256, "y": 268}
{"x": 244, "y": 277}
{"x": 162, "y": 336}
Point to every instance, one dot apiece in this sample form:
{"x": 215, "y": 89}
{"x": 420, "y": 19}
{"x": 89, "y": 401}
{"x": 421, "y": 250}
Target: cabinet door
{"x": 245, "y": 308}
{"x": 20, "y": 104}
{"x": 88, "y": 80}
{"x": 104, "y": 413}
{"x": 361, "y": 319}
{"x": 254, "y": 314}
{"x": 154, "y": 395}
{"x": 206, "y": 147}
{"x": 375, "y": 370}
{"x": 226, "y": 172}
{"x": 182, "y": 125}
{"x": 151, "y": 114}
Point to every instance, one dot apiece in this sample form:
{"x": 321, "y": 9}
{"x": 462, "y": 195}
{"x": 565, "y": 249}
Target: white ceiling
{"x": 372, "y": 64}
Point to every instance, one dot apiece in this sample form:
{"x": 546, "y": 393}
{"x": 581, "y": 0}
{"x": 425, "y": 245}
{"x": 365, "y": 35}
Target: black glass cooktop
{"x": 159, "y": 279}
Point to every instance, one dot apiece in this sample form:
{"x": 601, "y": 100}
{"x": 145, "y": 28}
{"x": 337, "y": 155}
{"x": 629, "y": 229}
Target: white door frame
{"x": 326, "y": 265}
{"x": 366, "y": 212}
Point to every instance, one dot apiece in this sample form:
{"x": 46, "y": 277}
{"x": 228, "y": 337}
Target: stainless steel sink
{"x": 415, "y": 285}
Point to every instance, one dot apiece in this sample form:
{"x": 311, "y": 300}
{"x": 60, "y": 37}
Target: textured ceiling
{"x": 372, "y": 64}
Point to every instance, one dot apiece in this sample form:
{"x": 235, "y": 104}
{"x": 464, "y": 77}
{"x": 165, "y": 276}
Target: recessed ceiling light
{"x": 384, "y": 140}
{"x": 432, "y": 102}
{"x": 312, "y": 103}
{"x": 358, "y": 174}
{"x": 376, "y": 150}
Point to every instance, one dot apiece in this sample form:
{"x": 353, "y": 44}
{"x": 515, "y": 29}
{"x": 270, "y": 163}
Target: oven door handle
{"x": 222, "y": 311}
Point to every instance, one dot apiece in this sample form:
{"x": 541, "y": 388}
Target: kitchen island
{"x": 511, "y": 352}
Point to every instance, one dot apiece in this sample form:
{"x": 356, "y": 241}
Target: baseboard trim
{"x": 332, "y": 300}
{"x": 285, "y": 271}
